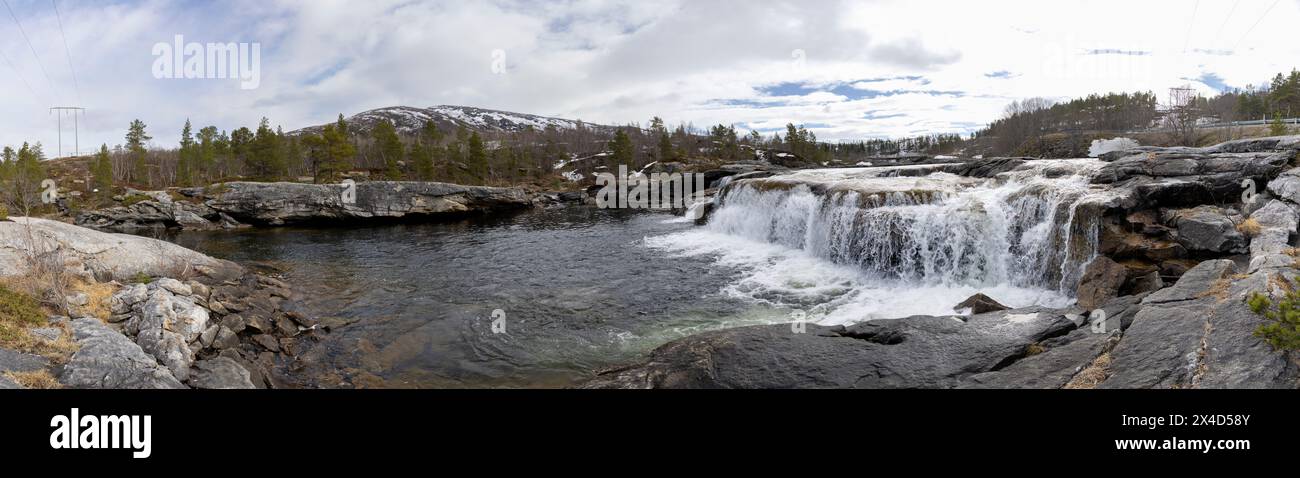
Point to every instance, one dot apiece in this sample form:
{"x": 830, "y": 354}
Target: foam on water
{"x": 848, "y": 245}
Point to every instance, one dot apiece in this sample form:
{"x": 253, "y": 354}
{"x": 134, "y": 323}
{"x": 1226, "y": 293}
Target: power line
{"x": 1190, "y": 24}
{"x": 1252, "y": 27}
{"x": 67, "y": 52}
{"x": 1225, "y": 23}
{"x": 29, "y": 44}
{"x": 19, "y": 75}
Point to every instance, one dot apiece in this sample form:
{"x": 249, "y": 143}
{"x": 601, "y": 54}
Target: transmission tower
{"x": 76, "y": 133}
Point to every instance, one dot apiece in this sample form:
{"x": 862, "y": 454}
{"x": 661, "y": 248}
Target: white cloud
{"x": 615, "y": 61}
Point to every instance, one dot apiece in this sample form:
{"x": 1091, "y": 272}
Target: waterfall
{"x": 1024, "y": 229}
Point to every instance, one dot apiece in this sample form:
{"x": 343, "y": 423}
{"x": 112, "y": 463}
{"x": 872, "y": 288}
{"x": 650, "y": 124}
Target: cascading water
{"x": 845, "y": 243}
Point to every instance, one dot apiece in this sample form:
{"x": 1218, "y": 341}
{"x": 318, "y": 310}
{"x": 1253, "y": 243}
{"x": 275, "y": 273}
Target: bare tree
{"x": 1181, "y": 114}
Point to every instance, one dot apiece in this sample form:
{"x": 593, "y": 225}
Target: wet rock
{"x": 259, "y": 323}
{"x": 923, "y": 351}
{"x": 224, "y": 339}
{"x": 1101, "y": 281}
{"x": 235, "y": 323}
{"x": 979, "y": 304}
{"x": 220, "y": 373}
{"x": 267, "y": 341}
{"x": 285, "y": 327}
{"x": 108, "y": 359}
{"x": 987, "y": 168}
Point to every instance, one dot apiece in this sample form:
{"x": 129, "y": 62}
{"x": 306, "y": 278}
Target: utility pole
{"x": 76, "y": 133}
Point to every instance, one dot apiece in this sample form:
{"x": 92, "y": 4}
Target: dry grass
{"x": 1219, "y": 290}
{"x": 1092, "y": 375}
{"x": 101, "y": 294}
{"x": 1034, "y": 349}
{"x": 39, "y": 379}
{"x": 1250, "y": 227}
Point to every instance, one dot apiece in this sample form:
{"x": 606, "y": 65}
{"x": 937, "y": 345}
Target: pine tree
{"x": 389, "y": 148}
{"x": 264, "y": 159}
{"x": 206, "y": 158}
{"x": 423, "y": 157}
{"x": 185, "y": 157}
{"x": 23, "y": 185}
{"x": 136, "y": 138}
{"x": 666, "y": 152}
{"x": 476, "y": 155}
{"x": 1277, "y": 127}
{"x": 622, "y": 149}
{"x": 101, "y": 170}
{"x": 338, "y": 151}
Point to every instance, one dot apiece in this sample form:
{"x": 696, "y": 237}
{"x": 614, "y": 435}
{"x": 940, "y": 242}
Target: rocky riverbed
{"x": 1162, "y": 304}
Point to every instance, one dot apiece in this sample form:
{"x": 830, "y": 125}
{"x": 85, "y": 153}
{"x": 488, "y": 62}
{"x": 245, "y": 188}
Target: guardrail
{"x": 1288, "y": 121}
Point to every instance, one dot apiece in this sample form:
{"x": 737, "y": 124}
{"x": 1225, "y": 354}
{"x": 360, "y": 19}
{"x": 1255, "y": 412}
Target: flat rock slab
{"x": 14, "y": 361}
{"x": 922, "y": 351}
{"x": 102, "y": 255}
{"x": 1048, "y": 370}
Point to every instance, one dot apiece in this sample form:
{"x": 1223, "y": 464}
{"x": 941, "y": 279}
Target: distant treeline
{"x": 1025, "y": 122}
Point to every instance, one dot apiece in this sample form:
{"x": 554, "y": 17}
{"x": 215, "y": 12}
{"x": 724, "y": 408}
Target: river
{"x": 578, "y": 289}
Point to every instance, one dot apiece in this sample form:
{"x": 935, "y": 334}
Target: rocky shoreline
{"x": 1162, "y": 306}
{"x": 175, "y": 318}
{"x": 239, "y": 204}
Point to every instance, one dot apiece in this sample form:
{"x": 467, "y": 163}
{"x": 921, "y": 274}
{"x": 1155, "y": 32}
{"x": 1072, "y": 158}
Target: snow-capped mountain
{"x": 409, "y": 120}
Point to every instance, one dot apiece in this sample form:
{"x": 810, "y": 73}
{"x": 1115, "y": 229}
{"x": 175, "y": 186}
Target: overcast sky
{"x": 846, "y": 69}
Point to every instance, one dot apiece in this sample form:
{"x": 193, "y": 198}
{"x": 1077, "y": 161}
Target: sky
{"x": 844, "y": 69}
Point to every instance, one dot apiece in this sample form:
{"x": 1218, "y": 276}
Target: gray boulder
{"x": 1208, "y": 228}
{"x": 104, "y": 256}
{"x": 108, "y": 359}
{"x": 1101, "y": 281}
{"x": 979, "y": 304}
{"x": 220, "y": 373}
{"x": 1199, "y": 334}
{"x": 167, "y": 325}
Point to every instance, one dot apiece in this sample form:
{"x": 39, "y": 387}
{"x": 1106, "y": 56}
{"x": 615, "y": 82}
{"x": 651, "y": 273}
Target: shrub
{"x": 4, "y": 213}
{"x": 17, "y": 312}
{"x": 1282, "y": 329}
{"x": 141, "y": 278}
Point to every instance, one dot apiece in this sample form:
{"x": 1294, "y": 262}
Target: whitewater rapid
{"x": 848, "y": 245}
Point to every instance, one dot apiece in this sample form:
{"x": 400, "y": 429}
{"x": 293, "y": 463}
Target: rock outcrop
{"x": 97, "y": 255}
{"x": 232, "y": 205}
{"x": 284, "y": 203}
